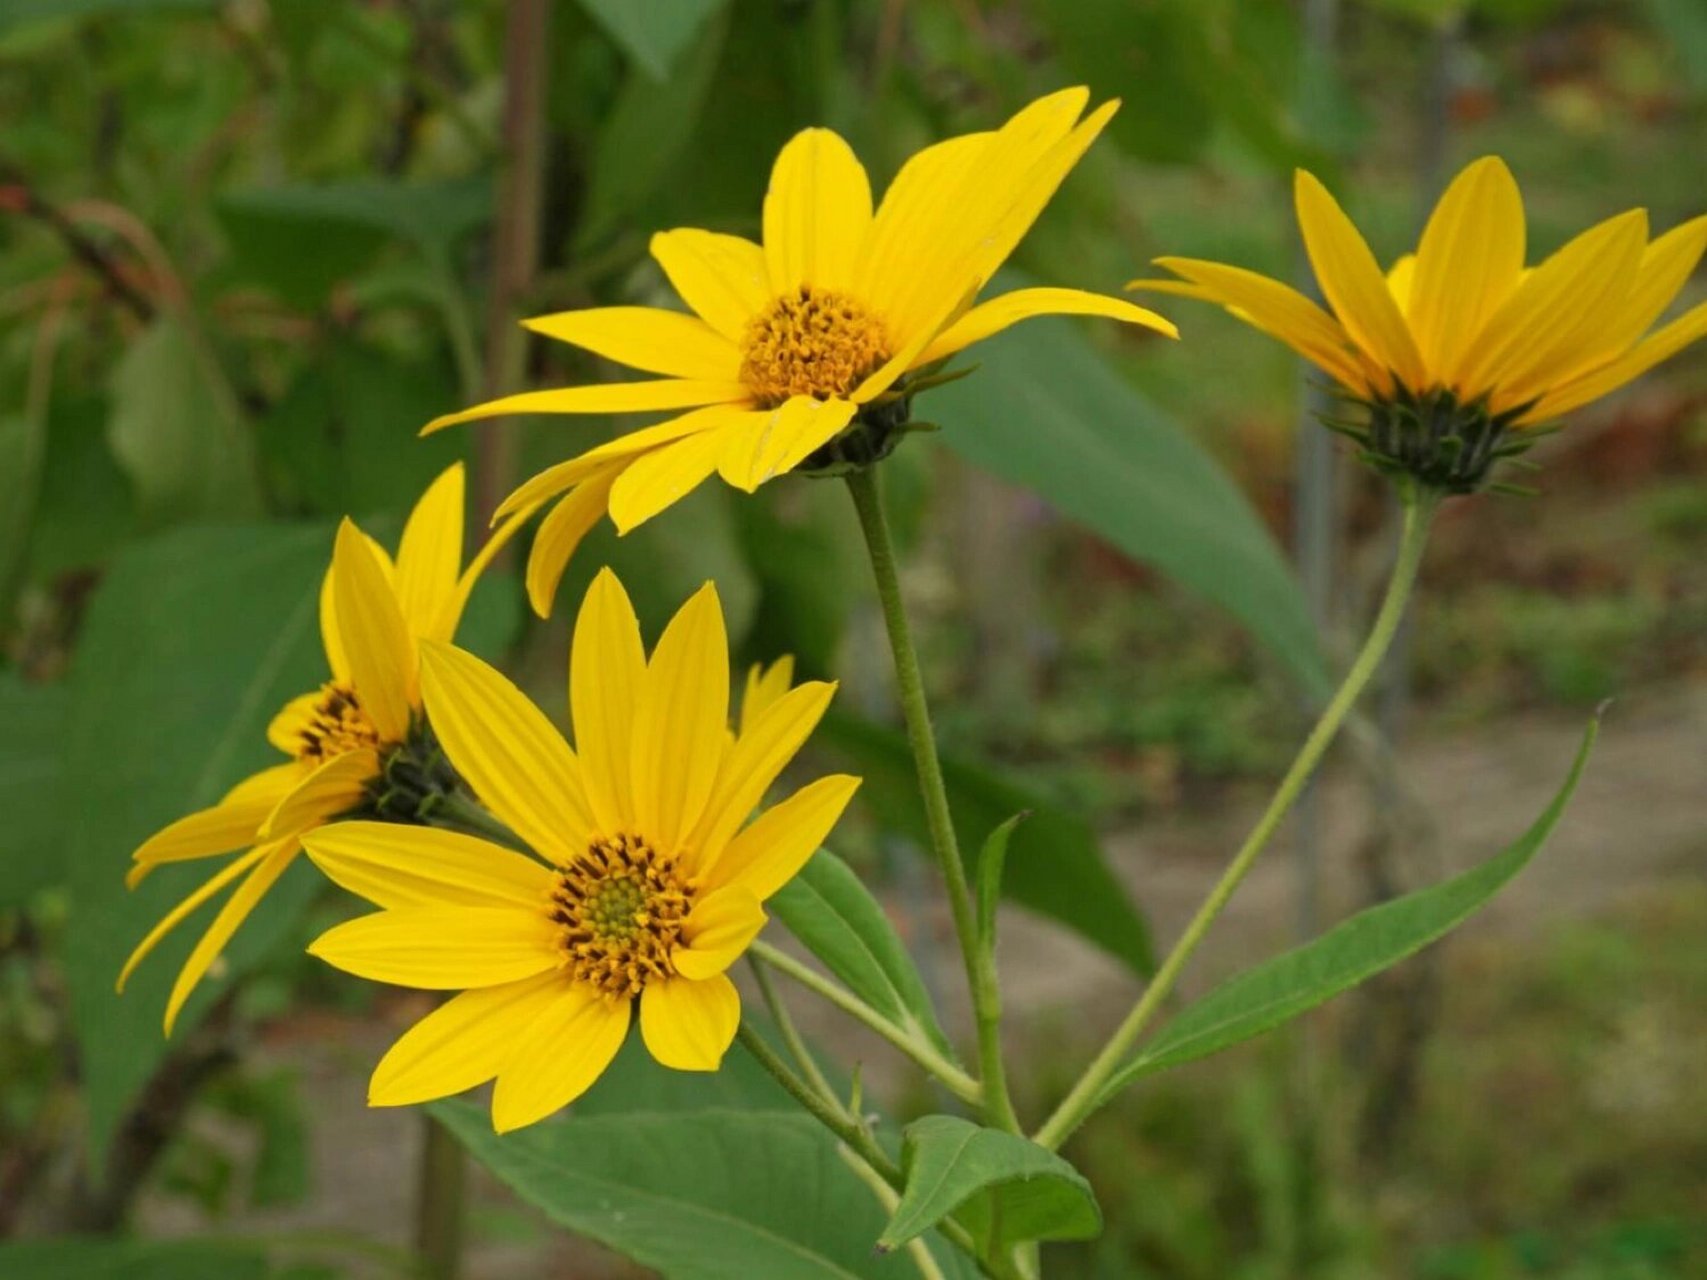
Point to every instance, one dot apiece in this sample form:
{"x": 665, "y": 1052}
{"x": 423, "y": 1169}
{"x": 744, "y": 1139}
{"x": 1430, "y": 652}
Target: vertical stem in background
{"x": 439, "y": 1204}
{"x": 867, "y": 493}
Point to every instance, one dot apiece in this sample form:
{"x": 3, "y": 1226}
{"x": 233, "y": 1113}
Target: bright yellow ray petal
{"x": 647, "y": 338}
{"x": 1468, "y": 262}
{"x": 284, "y": 730}
{"x": 444, "y": 627}
{"x": 607, "y": 667}
{"x": 461, "y": 1044}
{"x": 661, "y": 478}
{"x": 605, "y": 397}
{"x": 1667, "y": 263}
{"x": 443, "y": 948}
{"x": 764, "y": 686}
{"x": 768, "y": 853}
{"x": 689, "y": 1025}
{"x": 680, "y": 721}
{"x": 331, "y": 638}
{"x": 376, "y": 640}
{"x": 334, "y": 787}
{"x": 267, "y": 785}
{"x": 231, "y": 916}
{"x": 211, "y": 886}
{"x": 724, "y": 278}
{"x": 222, "y": 828}
{"x": 507, "y": 751}
{"x": 716, "y": 932}
{"x": 1022, "y": 304}
{"x": 817, "y": 211}
{"x": 910, "y": 222}
{"x": 567, "y": 1046}
{"x": 1661, "y": 345}
{"x": 397, "y": 866}
{"x": 772, "y": 443}
{"x": 1401, "y": 276}
{"x": 429, "y": 558}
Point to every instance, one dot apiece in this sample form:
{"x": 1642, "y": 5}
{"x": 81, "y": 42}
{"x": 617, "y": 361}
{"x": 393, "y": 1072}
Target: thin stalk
{"x": 915, "y": 1047}
{"x": 786, "y": 1028}
{"x": 439, "y": 1203}
{"x": 923, "y": 1260}
{"x": 1086, "y": 1095}
{"x": 867, "y": 493}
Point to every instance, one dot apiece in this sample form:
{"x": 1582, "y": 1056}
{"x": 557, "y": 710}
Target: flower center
{"x": 621, "y": 905}
{"x": 338, "y": 724}
{"x": 811, "y": 342}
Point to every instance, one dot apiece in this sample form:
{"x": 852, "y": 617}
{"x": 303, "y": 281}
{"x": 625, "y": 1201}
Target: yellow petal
{"x": 331, "y": 638}
{"x": 1662, "y": 345}
{"x": 1401, "y": 276}
{"x": 507, "y": 751}
{"x": 680, "y": 721}
{"x": 689, "y": 1025}
{"x": 376, "y": 640}
{"x": 717, "y": 931}
{"x": 647, "y": 338}
{"x": 724, "y": 278}
{"x": 761, "y": 753}
{"x": 607, "y": 397}
{"x": 769, "y": 853}
{"x": 236, "y": 910}
{"x": 443, "y": 948}
{"x": 444, "y": 627}
{"x": 397, "y": 866}
{"x": 284, "y": 730}
{"x": 764, "y": 686}
{"x": 773, "y": 442}
{"x": 567, "y": 1046}
{"x": 334, "y": 787}
{"x": 1667, "y": 263}
{"x": 226, "y": 826}
{"x": 661, "y": 478}
{"x": 214, "y": 883}
{"x": 1468, "y": 262}
{"x": 461, "y": 1044}
{"x": 268, "y": 784}
{"x": 561, "y": 532}
{"x": 817, "y": 212}
{"x": 1353, "y": 284}
{"x": 429, "y": 558}
{"x": 1022, "y": 304}
{"x": 607, "y": 667}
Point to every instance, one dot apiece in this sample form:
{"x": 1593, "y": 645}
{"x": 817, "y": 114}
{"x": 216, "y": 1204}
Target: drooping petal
{"x": 647, "y": 338}
{"x": 284, "y": 730}
{"x": 376, "y": 640}
{"x": 607, "y": 667}
{"x": 606, "y": 397}
{"x": 661, "y": 478}
{"x": 724, "y": 278}
{"x": 817, "y": 211}
{"x": 567, "y": 1047}
{"x": 764, "y": 686}
{"x": 397, "y": 866}
{"x": 429, "y": 558}
{"x": 276, "y": 858}
{"x": 443, "y": 948}
{"x": 689, "y": 1025}
{"x": 461, "y": 1044}
{"x": 561, "y": 532}
{"x": 507, "y": 751}
{"x": 211, "y": 886}
{"x": 1022, "y": 304}
{"x": 337, "y": 786}
{"x": 768, "y": 853}
{"x": 228, "y": 825}
{"x": 268, "y": 784}
{"x": 771, "y": 443}
{"x": 1663, "y": 344}
{"x": 717, "y": 931}
{"x": 680, "y": 721}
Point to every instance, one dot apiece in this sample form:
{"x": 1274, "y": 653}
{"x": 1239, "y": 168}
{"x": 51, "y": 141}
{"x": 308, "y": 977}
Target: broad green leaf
{"x": 193, "y": 641}
{"x": 636, "y": 1082}
{"x": 1044, "y": 411}
{"x": 701, "y": 1195}
{"x": 828, "y": 908}
{"x": 75, "y": 1258}
{"x": 86, "y": 507}
{"x": 1262, "y": 998}
{"x": 175, "y": 429}
{"x": 1054, "y": 865}
{"x": 1007, "y": 1188}
{"x": 17, "y": 13}
{"x": 655, "y": 33}
{"x": 32, "y": 727}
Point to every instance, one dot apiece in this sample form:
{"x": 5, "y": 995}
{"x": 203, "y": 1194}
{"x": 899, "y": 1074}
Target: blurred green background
{"x": 248, "y": 248}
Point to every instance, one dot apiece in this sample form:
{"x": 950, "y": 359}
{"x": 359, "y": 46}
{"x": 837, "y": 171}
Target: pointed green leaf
{"x": 1264, "y": 997}
{"x": 653, "y": 33}
{"x": 988, "y": 875}
{"x": 1011, "y": 1188}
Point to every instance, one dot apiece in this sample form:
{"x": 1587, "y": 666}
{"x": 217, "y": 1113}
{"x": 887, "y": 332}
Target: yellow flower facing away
{"x": 797, "y": 352}
{"x": 1460, "y": 343}
{"x": 649, "y": 878}
{"x": 345, "y": 739}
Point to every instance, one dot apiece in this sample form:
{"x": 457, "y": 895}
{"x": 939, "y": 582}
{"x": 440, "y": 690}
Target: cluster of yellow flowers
{"x": 557, "y": 888}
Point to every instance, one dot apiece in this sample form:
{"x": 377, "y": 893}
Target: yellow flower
{"x": 344, "y": 739}
{"x": 791, "y": 341}
{"x": 649, "y": 879}
{"x": 1461, "y": 340}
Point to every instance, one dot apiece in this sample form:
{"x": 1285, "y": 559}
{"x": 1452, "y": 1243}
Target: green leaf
{"x": 694, "y": 1195}
{"x": 176, "y": 431}
{"x": 1262, "y": 998}
{"x": 193, "y": 641}
{"x": 653, "y": 33}
{"x": 1007, "y": 1188}
{"x": 90, "y": 1259}
{"x": 23, "y": 447}
{"x": 18, "y": 13}
{"x": 828, "y": 908}
{"x": 32, "y": 726}
{"x": 1054, "y": 866}
{"x": 988, "y": 876}
{"x": 1045, "y": 411}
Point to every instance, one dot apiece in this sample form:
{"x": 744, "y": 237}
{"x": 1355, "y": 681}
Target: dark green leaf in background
{"x": 655, "y": 32}
{"x": 32, "y": 730}
{"x": 89, "y": 1259}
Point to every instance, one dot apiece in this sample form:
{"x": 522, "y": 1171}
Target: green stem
{"x": 1087, "y": 1094}
{"x": 867, "y": 493}
{"x": 787, "y": 1030}
{"x": 458, "y": 812}
{"x": 439, "y": 1203}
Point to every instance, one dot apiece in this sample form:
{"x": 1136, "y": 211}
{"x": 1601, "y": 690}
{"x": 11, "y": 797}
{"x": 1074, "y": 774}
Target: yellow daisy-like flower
{"x": 649, "y": 879}
{"x": 791, "y": 341}
{"x": 1460, "y": 342}
{"x": 345, "y": 738}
